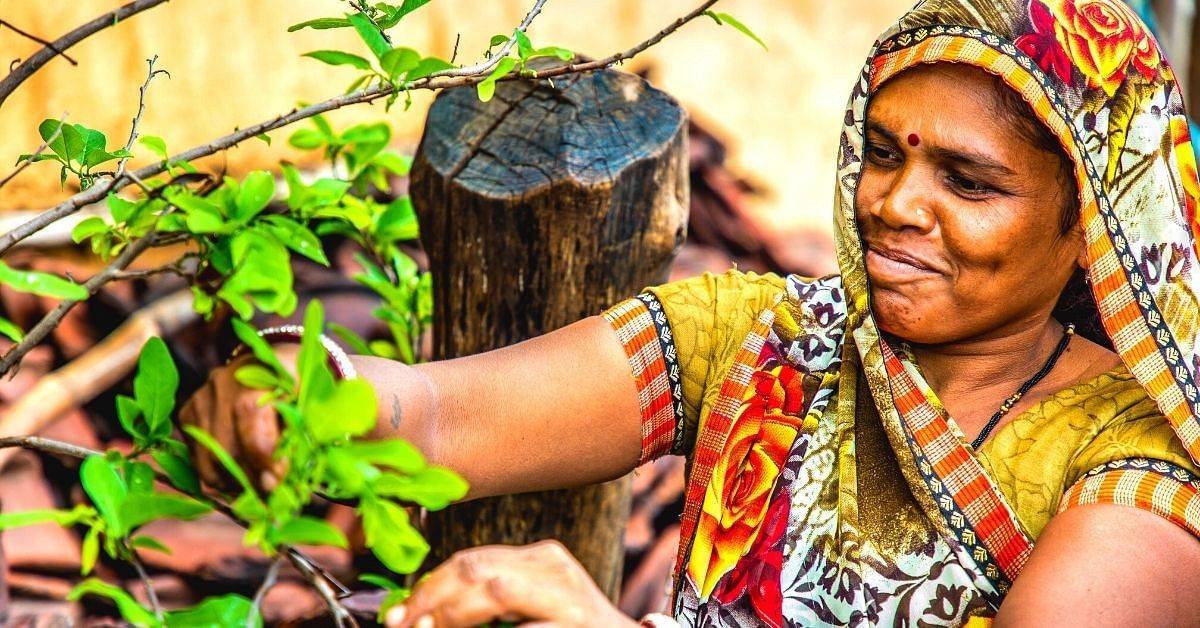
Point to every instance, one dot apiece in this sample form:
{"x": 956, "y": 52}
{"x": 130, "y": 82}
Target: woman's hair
{"x": 1014, "y": 110}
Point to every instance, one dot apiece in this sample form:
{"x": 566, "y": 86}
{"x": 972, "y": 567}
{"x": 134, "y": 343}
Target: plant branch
{"x": 316, "y": 575}
{"x": 432, "y": 82}
{"x": 55, "y": 316}
{"x": 137, "y": 117}
{"x": 35, "y": 61}
{"x": 33, "y": 156}
{"x": 267, "y": 583}
{"x": 485, "y": 67}
{"x": 48, "y": 44}
{"x": 150, "y": 594}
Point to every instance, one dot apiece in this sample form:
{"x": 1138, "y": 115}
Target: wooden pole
{"x": 537, "y": 209}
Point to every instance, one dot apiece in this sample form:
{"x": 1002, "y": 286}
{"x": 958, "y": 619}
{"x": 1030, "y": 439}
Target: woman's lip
{"x": 885, "y": 263}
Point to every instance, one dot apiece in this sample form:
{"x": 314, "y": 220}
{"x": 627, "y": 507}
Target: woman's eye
{"x": 881, "y": 154}
{"x": 968, "y": 186}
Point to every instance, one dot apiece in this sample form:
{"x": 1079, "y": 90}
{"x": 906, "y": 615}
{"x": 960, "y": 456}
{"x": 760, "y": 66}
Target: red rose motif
{"x": 757, "y": 575}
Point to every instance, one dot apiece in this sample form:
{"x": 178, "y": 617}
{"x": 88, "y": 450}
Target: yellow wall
{"x": 233, "y": 63}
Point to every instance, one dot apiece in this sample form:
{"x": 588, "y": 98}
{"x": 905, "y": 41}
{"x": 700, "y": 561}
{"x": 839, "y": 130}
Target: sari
{"x": 827, "y": 484}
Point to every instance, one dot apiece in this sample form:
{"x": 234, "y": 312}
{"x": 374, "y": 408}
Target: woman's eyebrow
{"x": 880, "y": 129}
{"x": 975, "y": 161}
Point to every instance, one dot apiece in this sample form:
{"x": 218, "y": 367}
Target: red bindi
{"x": 914, "y": 139}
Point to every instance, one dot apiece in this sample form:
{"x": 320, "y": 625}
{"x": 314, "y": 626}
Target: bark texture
{"x": 539, "y": 208}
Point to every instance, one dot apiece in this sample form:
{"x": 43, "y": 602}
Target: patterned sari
{"x": 827, "y": 485}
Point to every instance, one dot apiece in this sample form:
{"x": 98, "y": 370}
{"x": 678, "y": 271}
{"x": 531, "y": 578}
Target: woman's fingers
{"x": 198, "y": 412}
{"x": 257, "y": 429}
{"x": 539, "y": 582}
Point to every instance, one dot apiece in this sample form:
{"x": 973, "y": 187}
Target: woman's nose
{"x": 906, "y": 205}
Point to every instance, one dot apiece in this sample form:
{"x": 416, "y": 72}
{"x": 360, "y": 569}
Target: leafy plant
{"x": 77, "y": 149}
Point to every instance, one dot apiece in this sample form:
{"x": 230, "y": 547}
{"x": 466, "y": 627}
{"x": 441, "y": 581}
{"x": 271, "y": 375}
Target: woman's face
{"x": 960, "y": 214}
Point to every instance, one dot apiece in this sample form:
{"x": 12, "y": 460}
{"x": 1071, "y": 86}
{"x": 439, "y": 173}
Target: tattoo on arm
{"x": 395, "y": 412}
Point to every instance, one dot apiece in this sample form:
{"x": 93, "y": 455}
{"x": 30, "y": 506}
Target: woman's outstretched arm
{"x": 556, "y": 411}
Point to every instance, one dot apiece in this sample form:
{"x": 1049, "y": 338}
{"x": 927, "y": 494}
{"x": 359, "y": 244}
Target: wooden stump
{"x": 537, "y": 209}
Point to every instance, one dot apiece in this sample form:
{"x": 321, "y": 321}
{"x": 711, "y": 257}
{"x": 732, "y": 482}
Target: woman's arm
{"x": 1107, "y": 565}
{"x": 556, "y": 411}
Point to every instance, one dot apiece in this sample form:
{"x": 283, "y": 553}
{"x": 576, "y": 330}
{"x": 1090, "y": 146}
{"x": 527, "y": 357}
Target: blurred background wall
{"x": 233, "y": 63}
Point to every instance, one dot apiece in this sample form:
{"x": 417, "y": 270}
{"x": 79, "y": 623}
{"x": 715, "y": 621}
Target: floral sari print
{"x": 827, "y": 485}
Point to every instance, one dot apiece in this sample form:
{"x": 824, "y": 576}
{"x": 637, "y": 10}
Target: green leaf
{"x": 87, "y": 228}
{"x": 262, "y": 350}
{"x": 379, "y": 581}
{"x": 155, "y": 385}
{"x": 725, "y": 18}
{"x": 307, "y": 139}
{"x": 321, "y": 23}
{"x": 155, "y": 144}
{"x": 409, "y": 6}
{"x": 203, "y": 215}
{"x": 43, "y": 284}
{"x": 397, "y": 222}
{"x": 348, "y": 410}
{"x": 107, "y": 490}
{"x": 432, "y": 487}
{"x": 369, "y": 34}
{"x": 256, "y": 192}
{"x": 222, "y": 456}
{"x": 524, "y": 46}
{"x": 264, "y": 137}
{"x": 139, "y": 509}
{"x": 226, "y": 611}
{"x": 399, "y": 60}
{"x": 393, "y": 452}
{"x": 128, "y": 412}
{"x": 130, "y": 609}
{"x": 34, "y": 517}
{"x": 121, "y": 209}
{"x": 428, "y": 66}
{"x": 89, "y": 551}
{"x": 487, "y": 87}
{"x": 315, "y": 376}
{"x": 249, "y": 507}
{"x": 310, "y": 531}
{"x": 11, "y": 330}
{"x": 256, "y": 376}
{"x": 553, "y": 51}
{"x": 179, "y": 470}
{"x": 352, "y": 340}
{"x": 337, "y": 57}
{"x": 297, "y": 237}
{"x": 391, "y": 537}
{"x": 149, "y": 542}
{"x": 497, "y": 40}
{"x": 139, "y": 476}
{"x": 393, "y": 598}
{"x": 51, "y": 128}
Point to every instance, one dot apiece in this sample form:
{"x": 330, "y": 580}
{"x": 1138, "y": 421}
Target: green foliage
{"x": 725, "y": 18}
{"x": 42, "y": 284}
{"x": 77, "y": 149}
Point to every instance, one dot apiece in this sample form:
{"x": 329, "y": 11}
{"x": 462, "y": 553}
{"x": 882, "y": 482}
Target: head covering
{"x": 1093, "y": 74}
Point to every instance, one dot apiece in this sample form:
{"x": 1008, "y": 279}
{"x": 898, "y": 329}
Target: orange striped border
{"x": 715, "y": 430}
{"x": 1155, "y": 486}
{"x": 632, "y": 321}
{"x": 1128, "y": 312}
{"x": 980, "y": 516}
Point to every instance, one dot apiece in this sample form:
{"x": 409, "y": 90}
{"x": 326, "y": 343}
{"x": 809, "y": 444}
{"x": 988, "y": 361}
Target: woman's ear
{"x": 1081, "y": 259}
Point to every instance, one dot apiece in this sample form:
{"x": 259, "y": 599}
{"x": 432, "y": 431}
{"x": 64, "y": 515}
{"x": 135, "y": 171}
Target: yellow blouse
{"x": 1033, "y": 459}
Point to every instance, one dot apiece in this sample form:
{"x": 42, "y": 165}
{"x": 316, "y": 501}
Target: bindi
{"x": 914, "y": 139}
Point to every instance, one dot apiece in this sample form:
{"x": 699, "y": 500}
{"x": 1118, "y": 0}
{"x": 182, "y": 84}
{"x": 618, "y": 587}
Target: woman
{"x": 992, "y": 412}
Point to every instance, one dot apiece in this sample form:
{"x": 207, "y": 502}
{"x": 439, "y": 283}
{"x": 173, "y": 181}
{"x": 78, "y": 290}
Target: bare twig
{"x": 48, "y": 44}
{"x": 433, "y": 82}
{"x": 55, "y": 316}
{"x": 35, "y": 61}
{"x": 137, "y": 117}
{"x": 33, "y": 156}
{"x": 267, "y": 583}
{"x": 46, "y": 445}
{"x": 150, "y": 594}
{"x": 485, "y": 67}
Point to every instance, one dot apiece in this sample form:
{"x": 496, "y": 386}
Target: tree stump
{"x": 537, "y": 209}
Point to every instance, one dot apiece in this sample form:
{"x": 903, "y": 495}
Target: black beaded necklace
{"x": 1030, "y": 383}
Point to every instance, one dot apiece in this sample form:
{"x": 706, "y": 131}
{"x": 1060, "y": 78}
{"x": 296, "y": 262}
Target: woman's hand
{"x": 539, "y": 584}
{"x": 231, "y": 413}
